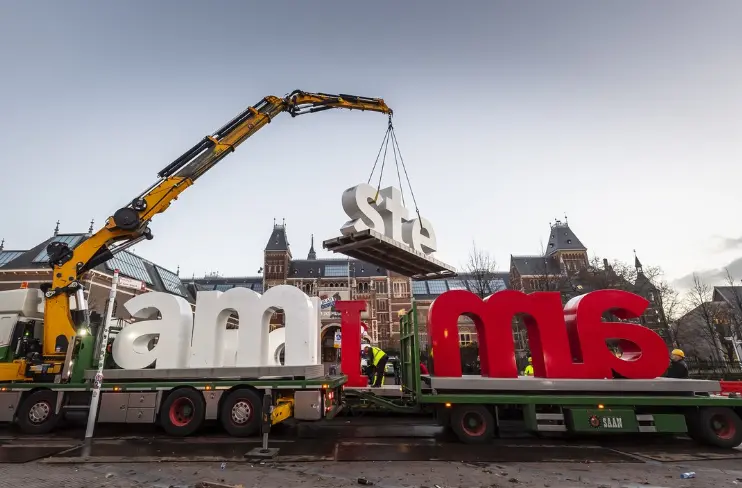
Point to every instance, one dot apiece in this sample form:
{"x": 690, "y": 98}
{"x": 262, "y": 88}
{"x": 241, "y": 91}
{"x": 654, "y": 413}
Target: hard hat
{"x": 530, "y": 360}
{"x": 678, "y": 352}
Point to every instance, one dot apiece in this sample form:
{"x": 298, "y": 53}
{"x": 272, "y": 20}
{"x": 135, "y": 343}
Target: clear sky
{"x": 626, "y": 116}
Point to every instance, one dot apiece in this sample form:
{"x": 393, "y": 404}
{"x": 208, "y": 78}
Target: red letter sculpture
{"x": 493, "y": 317}
{"x": 350, "y": 340}
{"x": 443, "y": 323}
{"x": 575, "y": 348}
{"x": 644, "y": 352}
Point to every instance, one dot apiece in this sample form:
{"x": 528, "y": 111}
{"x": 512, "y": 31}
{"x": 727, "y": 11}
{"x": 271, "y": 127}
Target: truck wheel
{"x": 183, "y": 412}
{"x": 473, "y": 424}
{"x": 240, "y": 413}
{"x": 720, "y": 427}
{"x": 37, "y": 414}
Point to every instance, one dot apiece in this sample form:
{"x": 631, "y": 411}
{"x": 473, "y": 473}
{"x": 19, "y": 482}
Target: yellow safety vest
{"x": 528, "y": 371}
{"x": 376, "y": 355}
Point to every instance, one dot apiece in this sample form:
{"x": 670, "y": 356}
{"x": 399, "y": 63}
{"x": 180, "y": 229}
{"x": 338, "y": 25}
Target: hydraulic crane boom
{"x": 130, "y": 224}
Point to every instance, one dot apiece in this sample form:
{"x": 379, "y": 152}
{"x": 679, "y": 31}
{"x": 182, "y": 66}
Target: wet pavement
{"x": 367, "y": 439}
{"x": 144, "y": 450}
{"x": 379, "y": 474}
{"x": 25, "y": 454}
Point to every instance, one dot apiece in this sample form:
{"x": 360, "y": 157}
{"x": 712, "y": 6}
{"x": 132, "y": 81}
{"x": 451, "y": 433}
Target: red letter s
{"x": 644, "y": 352}
{"x": 547, "y": 335}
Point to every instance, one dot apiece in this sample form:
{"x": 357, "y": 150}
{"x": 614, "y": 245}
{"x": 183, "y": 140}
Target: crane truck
{"x": 46, "y": 358}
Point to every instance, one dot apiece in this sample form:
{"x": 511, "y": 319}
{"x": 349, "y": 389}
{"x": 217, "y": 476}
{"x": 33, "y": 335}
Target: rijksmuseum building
{"x": 563, "y": 267}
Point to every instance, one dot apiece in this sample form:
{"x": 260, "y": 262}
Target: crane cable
{"x": 384, "y": 146}
{"x": 391, "y": 135}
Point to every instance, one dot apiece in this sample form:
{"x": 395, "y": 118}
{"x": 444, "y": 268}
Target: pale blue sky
{"x": 624, "y": 115}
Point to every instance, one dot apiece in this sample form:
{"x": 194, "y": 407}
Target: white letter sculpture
{"x": 230, "y": 348}
{"x": 276, "y": 341}
{"x": 387, "y": 216}
{"x": 301, "y": 320}
{"x": 130, "y": 349}
{"x": 419, "y": 235}
{"x": 213, "y": 309}
{"x": 362, "y": 213}
{"x": 393, "y": 212}
{"x": 254, "y": 312}
{"x": 206, "y": 343}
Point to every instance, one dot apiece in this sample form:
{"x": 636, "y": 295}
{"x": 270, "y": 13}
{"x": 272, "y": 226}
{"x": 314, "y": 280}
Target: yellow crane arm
{"x": 129, "y": 224}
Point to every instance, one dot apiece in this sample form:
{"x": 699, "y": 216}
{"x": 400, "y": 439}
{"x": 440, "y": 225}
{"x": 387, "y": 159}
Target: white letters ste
{"x": 386, "y": 216}
{"x": 205, "y": 342}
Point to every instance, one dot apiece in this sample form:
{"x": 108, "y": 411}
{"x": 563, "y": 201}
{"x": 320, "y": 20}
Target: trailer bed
{"x": 375, "y": 248}
{"x": 210, "y": 374}
{"x": 529, "y": 384}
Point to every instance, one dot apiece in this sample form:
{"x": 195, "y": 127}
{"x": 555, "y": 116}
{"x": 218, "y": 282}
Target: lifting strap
{"x": 390, "y": 135}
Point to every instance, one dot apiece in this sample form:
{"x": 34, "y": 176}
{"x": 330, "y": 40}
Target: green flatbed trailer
{"x": 473, "y": 406}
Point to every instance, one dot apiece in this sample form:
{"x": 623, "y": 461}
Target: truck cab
{"x": 21, "y": 332}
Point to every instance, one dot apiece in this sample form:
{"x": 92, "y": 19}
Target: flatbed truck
{"x": 181, "y": 400}
{"x": 473, "y": 406}
{"x": 46, "y": 357}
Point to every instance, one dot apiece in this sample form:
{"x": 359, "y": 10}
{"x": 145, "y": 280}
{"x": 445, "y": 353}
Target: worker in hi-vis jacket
{"x": 378, "y": 360}
{"x": 529, "y": 369}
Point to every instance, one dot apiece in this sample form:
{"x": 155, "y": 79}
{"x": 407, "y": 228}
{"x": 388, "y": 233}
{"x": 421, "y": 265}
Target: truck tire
{"x": 473, "y": 424}
{"x": 240, "y": 413}
{"x": 37, "y": 413}
{"x": 183, "y": 412}
{"x": 719, "y": 427}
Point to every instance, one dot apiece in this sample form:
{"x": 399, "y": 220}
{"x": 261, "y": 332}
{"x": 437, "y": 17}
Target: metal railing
{"x": 714, "y": 369}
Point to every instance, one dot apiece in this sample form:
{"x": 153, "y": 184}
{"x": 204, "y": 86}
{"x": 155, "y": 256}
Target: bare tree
{"x": 600, "y": 274}
{"x": 649, "y": 282}
{"x": 670, "y": 306}
{"x": 480, "y": 270}
{"x": 732, "y": 295}
{"x": 604, "y": 275}
{"x": 698, "y": 328}
{"x": 734, "y": 298}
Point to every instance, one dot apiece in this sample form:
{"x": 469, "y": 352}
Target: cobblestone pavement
{"x": 381, "y": 474}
